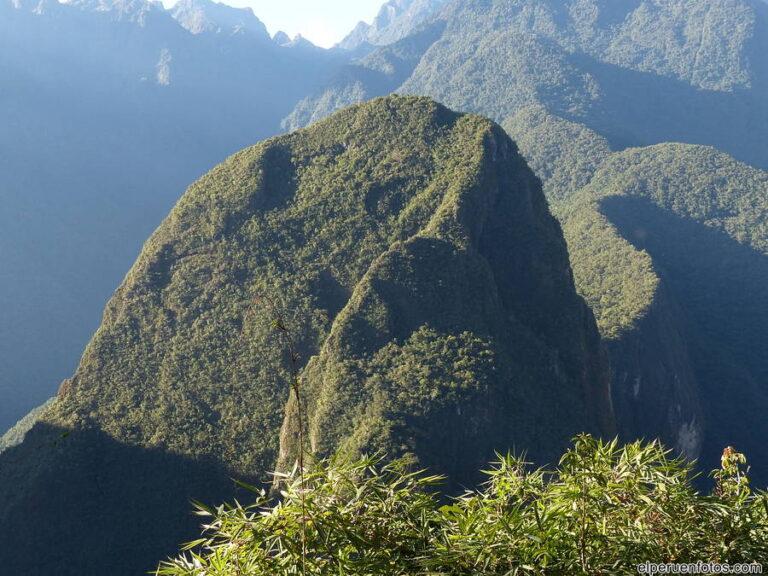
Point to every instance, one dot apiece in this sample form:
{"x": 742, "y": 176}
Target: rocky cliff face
{"x": 396, "y": 20}
{"x": 655, "y": 389}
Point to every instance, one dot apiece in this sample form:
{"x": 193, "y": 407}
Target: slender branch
{"x": 278, "y": 323}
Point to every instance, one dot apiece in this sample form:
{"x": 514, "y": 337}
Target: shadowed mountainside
{"x": 667, "y": 245}
{"x": 109, "y": 110}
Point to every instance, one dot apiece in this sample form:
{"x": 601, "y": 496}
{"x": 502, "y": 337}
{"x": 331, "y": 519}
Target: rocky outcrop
{"x": 396, "y": 20}
{"x": 655, "y": 389}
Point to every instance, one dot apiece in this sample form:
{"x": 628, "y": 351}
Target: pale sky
{"x": 324, "y": 22}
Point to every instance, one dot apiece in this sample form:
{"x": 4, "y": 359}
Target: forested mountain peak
{"x": 430, "y": 295}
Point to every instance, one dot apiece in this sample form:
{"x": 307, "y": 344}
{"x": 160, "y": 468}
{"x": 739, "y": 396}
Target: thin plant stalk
{"x": 278, "y": 323}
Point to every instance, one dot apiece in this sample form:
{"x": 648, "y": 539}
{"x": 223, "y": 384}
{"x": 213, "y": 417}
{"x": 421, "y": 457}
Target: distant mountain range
{"x": 206, "y": 17}
{"x": 396, "y": 20}
{"x": 638, "y": 73}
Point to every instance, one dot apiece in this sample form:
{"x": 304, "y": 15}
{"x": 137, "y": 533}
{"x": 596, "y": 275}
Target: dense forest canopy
{"x": 428, "y": 289}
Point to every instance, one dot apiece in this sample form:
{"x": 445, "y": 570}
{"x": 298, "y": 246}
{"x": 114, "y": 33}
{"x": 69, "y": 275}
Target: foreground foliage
{"x": 603, "y": 511}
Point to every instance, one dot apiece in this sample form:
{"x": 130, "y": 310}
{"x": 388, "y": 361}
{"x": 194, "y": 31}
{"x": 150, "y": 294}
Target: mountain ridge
{"x": 588, "y": 70}
{"x": 396, "y": 20}
{"x": 338, "y": 223}
{"x": 626, "y": 217}
{"x": 207, "y": 16}
{"x": 108, "y": 116}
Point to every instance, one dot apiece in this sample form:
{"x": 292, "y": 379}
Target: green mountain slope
{"x": 464, "y": 345}
{"x": 564, "y": 154}
{"x": 422, "y": 275}
{"x": 110, "y": 108}
{"x": 638, "y": 73}
{"x": 17, "y": 432}
{"x": 702, "y": 220}
{"x": 654, "y": 387}
{"x": 668, "y": 247}
{"x": 574, "y": 80}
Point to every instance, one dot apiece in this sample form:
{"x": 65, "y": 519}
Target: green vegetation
{"x": 16, "y": 434}
{"x": 638, "y": 73}
{"x": 694, "y": 182}
{"x": 612, "y": 265}
{"x": 605, "y": 510}
{"x": 427, "y": 286}
{"x": 110, "y": 109}
{"x": 420, "y": 342}
{"x": 613, "y": 270}
{"x": 413, "y": 256}
{"x": 178, "y": 363}
{"x": 565, "y": 155}
{"x": 354, "y": 217}
{"x": 668, "y": 246}
{"x": 700, "y": 218}
{"x": 615, "y": 278}
{"x": 694, "y": 41}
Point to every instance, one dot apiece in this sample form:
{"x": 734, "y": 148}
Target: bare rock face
{"x": 396, "y": 20}
{"x": 655, "y": 389}
{"x": 208, "y": 17}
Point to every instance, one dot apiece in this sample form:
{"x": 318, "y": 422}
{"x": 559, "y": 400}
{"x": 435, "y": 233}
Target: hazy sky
{"x": 324, "y": 22}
